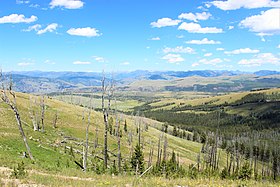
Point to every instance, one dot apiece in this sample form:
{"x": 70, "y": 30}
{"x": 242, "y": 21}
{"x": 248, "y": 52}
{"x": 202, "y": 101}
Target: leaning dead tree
{"x": 107, "y": 90}
{"x": 8, "y": 96}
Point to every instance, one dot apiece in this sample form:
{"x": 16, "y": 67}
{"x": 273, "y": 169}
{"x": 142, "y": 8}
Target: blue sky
{"x": 125, "y": 35}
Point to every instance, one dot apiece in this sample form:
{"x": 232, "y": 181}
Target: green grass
{"x": 53, "y": 166}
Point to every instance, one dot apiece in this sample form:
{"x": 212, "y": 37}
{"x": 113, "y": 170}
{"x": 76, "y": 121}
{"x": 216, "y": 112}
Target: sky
{"x": 127, "y": 35}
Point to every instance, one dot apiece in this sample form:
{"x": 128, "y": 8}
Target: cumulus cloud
{"x": 49, "y": 28}
{"x": 87, "y": 32}
{"x": 165, "y": 22}
{"x": 69, "y": 4}
{"x": 204, "y": 41}
{"x": 99, "y": 59}
{"x": 33, "y": 27}
{"x": 125, "y": 63}
{"x": 266, "y": 23}
{"x": 196, "y": 28}
{"x": 180, "y": 36}
{"x": 208, "y": 54}
{"x": 211, "y": 62}
{"x": 195, "y": 64}
{"x": 22, "y": 2}
{"x": 230, "y": 27}
{"x": 195, "y": 17}
{"x": 260, "y": 59}
{"x": 81, "y": 63}
{"x": 179, "y": 49}
{"x": 25, "y": 64}
{"x": 249, "y": 4}
{"x": 49, "y": 62}
{"x": 242, "y": 51}
{"x": 17, "y": 18}
{"x": 173, "y": 58}
{"x": 220, "y": 49}
{"x": 155, "y": 38}
{"x": 278, "y": 46}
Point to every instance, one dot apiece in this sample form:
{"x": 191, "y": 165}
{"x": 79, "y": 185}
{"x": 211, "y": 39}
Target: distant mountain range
{"x": 46, "y": 82}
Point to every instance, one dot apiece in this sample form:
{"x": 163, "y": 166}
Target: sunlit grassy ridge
{"x": 51, "y": 148}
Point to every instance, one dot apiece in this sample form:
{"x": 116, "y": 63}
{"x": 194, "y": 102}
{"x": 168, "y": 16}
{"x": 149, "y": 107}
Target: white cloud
{"x": 278, "y": 46}
{"x": 179, "y": 49}
{"x": 211, "y": 62}
{"x": 22, "y": 2}
{"x": 260, "y": 59}
{"x": 81, "y": 63}
{"x": 230, "y": 27}
{"x": 49, "y": 62}
{"x": 34, "y": 6}
{"x": 87, "y": 31}
{"x": 266, "y": 23}
{"x": 25, "y": 64}
{"x": 17, "y": 18}
{"x": 220, "y": 49}
{"x": 195, "y": 17}
{"x": 249, "y": 4}
{"x": 196, "y": 28}
{"x": 49, "y": 28}
{"x": 203, "y": 41}
{"x": 33, "y": 27}
{"x": 69, "y": 4}
{"x": 242, "y": 51}
{"x": 125, "y": 63}
{"x": 155, "y": 38}
{"x": 99, "y": 59}
{"x": 173, "y": 58}
{"x": 208, "y": 54}
{"x": 165, "y": 22}
{"x": 180, "y": 36}
{"x": 195, "y": 64}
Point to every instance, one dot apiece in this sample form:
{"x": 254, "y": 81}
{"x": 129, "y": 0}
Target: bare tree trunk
{"x": 55, "y": 119}
{"x": 86, "y": 144}
{"x": 119, "y": 147}
{"x": 32, "y": 115}
{"x": 13, "y": 106}
{"x": 158, "y": 155}
{"x": 43, "y": 113}
{"x": 105, "y": 116}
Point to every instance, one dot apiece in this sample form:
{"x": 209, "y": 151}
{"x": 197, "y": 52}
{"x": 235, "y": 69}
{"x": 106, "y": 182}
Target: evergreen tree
{"x": 125, "y": 126}
{"x": 137, "y": 160}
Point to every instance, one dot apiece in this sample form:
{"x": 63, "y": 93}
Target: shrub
{"x": 19, "y": 172}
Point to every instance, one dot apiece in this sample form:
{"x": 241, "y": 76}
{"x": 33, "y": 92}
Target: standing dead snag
{"x": 86, "y": 144}
{"x": 33, "y": 115}
{"x": 109, "y": 93}
{"x": 55, "y": 119}
{"x": 42, "y": 104}
{"x": 12, "y": 103}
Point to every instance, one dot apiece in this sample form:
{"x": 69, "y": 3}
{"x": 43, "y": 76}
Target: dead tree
{"x": 55, "y": 119}
{"x": 12, "y": 103}
{"x": 42, "y": 104}
{"x": 33, "y": 115}
{"x": 106, "y": 90}
{"x": 86, "y": 143}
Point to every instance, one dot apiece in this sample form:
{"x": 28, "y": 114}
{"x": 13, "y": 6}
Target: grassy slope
{"x": 48, "y": 149}
{"x": 217, "y": 100}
